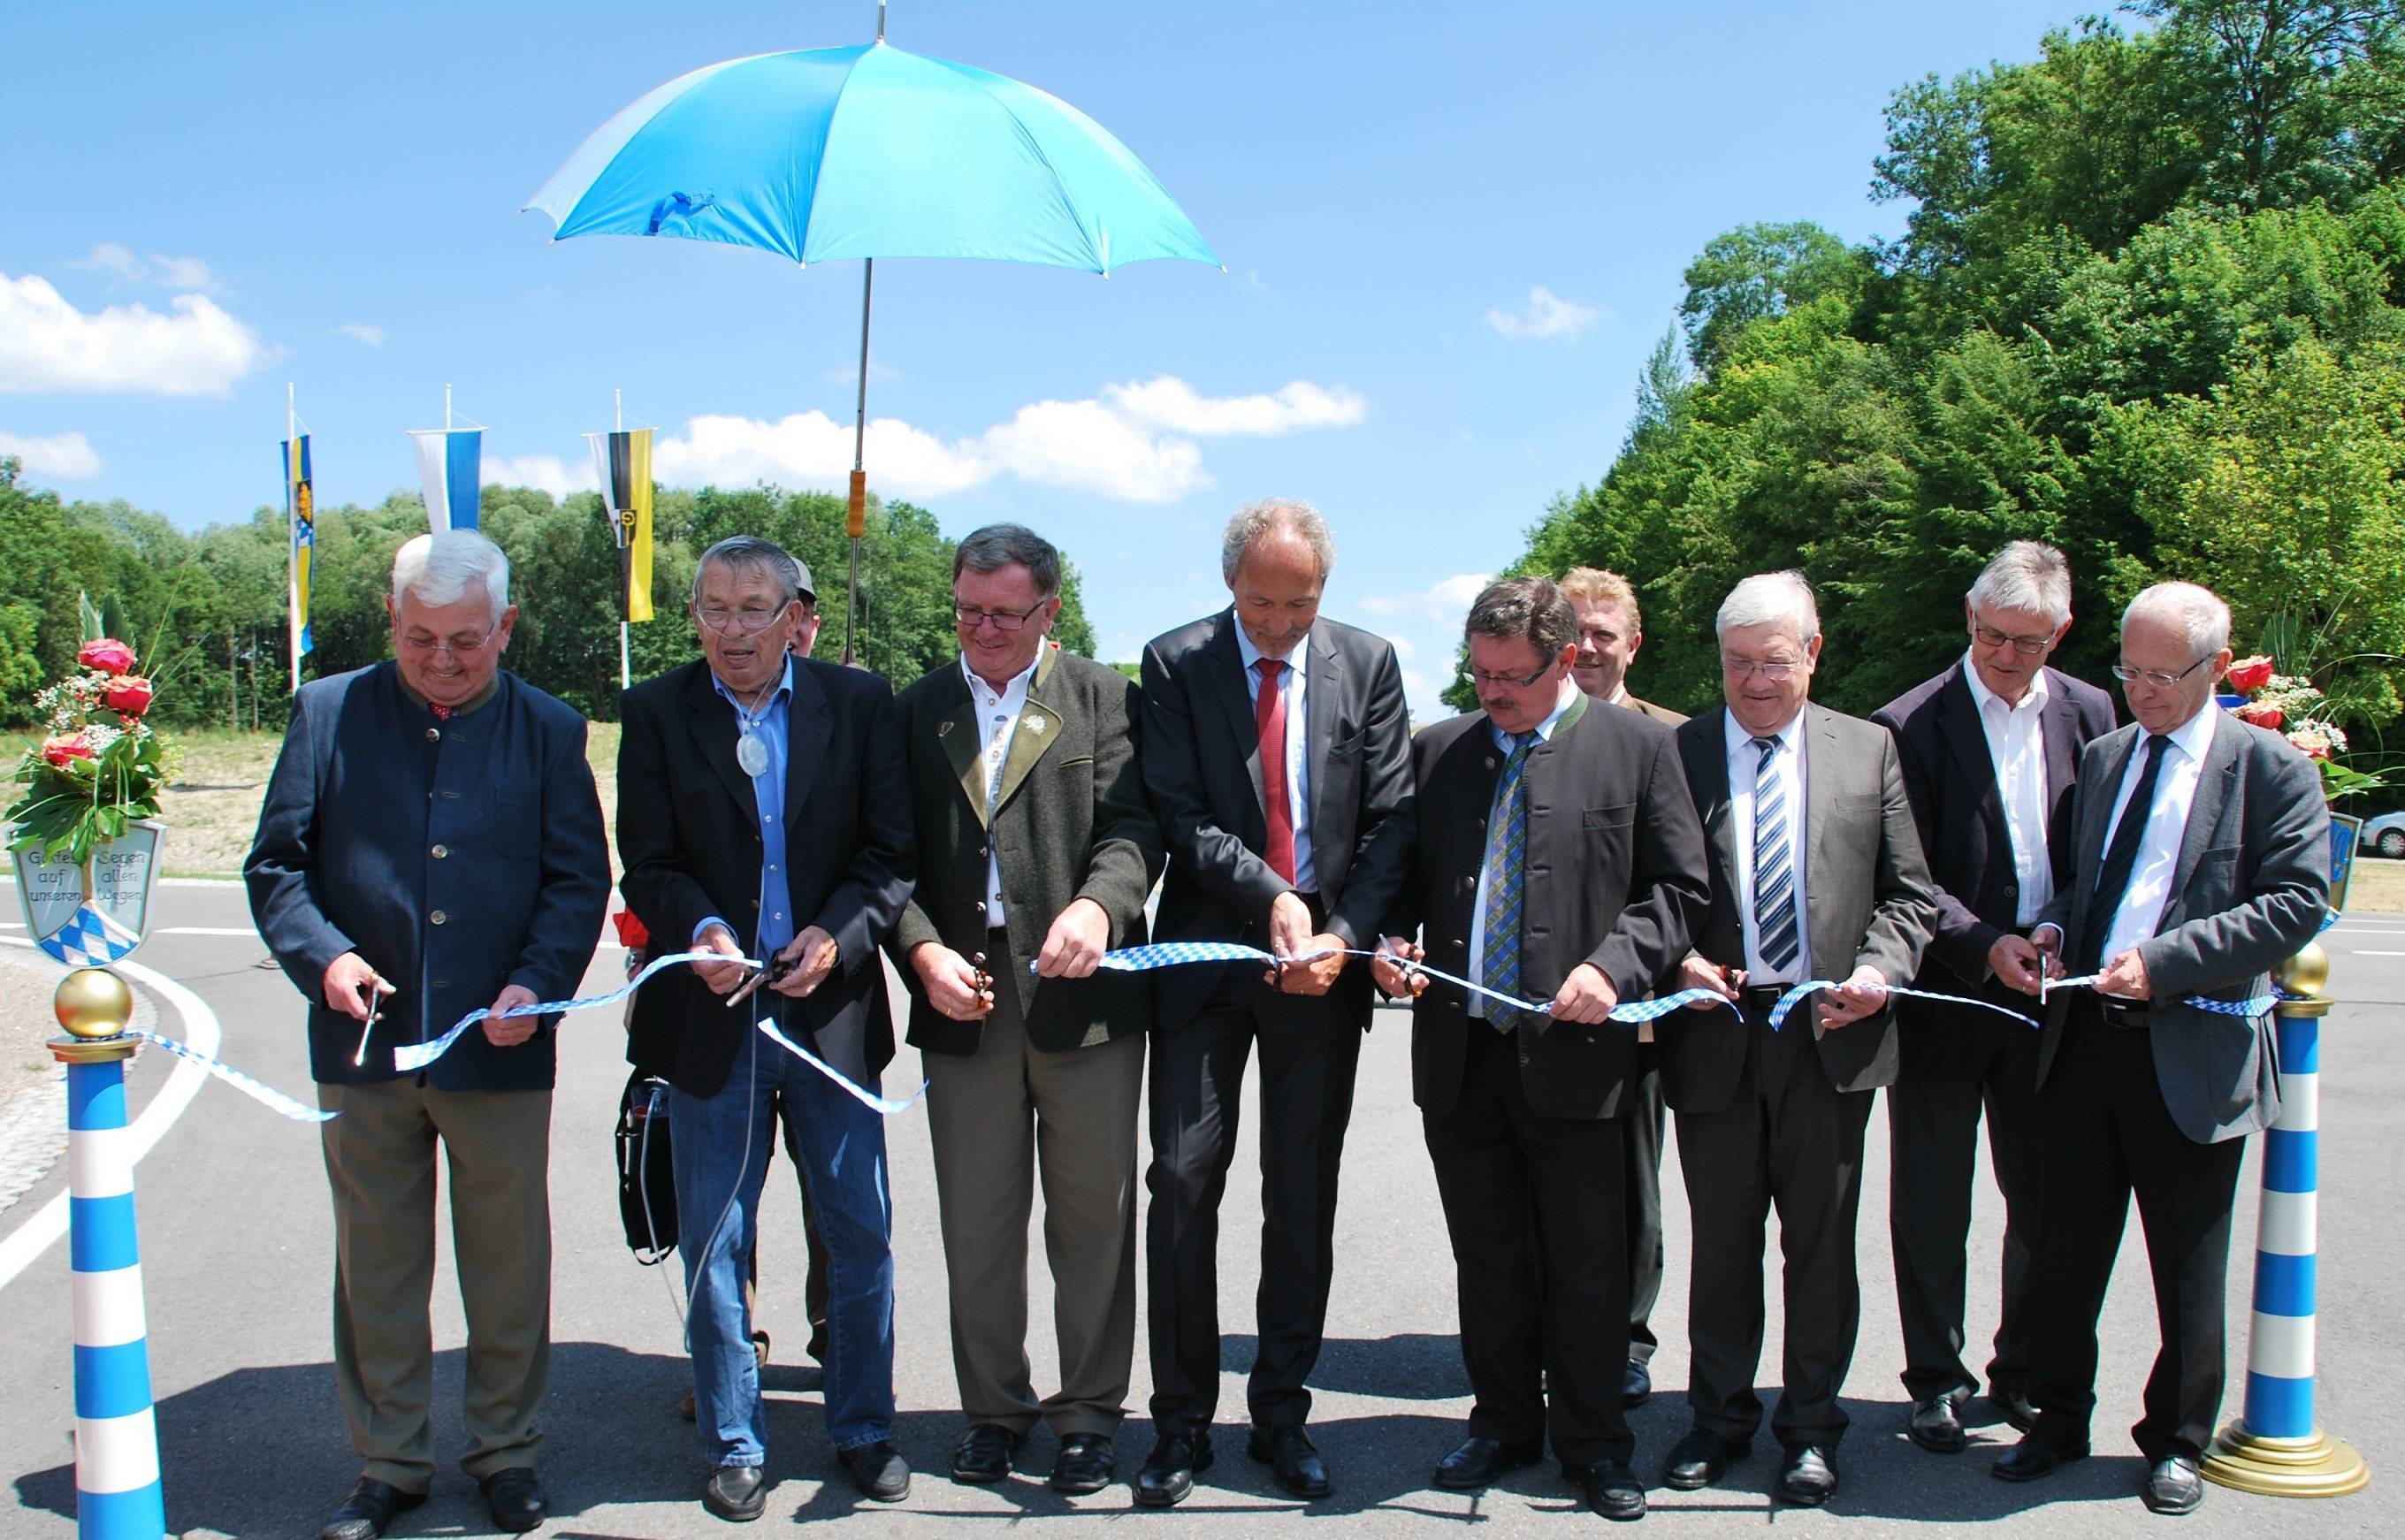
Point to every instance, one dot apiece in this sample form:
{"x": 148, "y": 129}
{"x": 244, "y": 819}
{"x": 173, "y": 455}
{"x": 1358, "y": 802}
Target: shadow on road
{"x": 1407, "y": 1366}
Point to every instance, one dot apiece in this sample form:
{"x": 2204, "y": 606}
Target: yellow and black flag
{"x": 301, "y": 516}
{"x": 623, "y": 463}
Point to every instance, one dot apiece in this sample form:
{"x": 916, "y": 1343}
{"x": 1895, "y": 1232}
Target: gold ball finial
{"x": 2307, "y": 974}
{"x": 93, "y": 1002}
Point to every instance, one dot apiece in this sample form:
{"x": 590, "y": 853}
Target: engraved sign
{"x": 84, "y": 928}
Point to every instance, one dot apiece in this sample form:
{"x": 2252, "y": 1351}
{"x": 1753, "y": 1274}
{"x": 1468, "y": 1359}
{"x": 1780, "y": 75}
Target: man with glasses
{"x": 2202, "y": 861}
{"x": 1036, "y": 852}
{"x": 1817, "y": 874}
{"x": 1522, "y": 1109}
{"x": 1276, "y": 750}
{"x": 760, "y": 815}
{"x": 430, "y": 843}
{"x": 1989, "y": 747}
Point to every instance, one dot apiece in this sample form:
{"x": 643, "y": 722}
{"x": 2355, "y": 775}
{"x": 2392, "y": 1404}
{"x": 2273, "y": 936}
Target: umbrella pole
{"x": 856, "y": 513}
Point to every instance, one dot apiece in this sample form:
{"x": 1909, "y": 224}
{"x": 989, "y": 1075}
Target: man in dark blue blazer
{"x": 1989, "y": 749}
{"x": 431, "y": 842}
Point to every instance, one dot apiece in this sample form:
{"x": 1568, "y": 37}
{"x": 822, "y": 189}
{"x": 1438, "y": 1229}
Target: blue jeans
{"x": 840, "y": 1146}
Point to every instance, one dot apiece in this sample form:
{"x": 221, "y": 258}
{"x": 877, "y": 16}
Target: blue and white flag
{"x": 450, "y": 466}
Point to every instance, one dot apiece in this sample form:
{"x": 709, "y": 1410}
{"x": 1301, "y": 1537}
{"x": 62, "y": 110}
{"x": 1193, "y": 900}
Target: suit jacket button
{"x": 434, "y": 735}
{"x": 441, "y": 851}
{"x": 1469, "y": 885}
{"x": 437, "y": 918}
{"x": 982, "y": 850}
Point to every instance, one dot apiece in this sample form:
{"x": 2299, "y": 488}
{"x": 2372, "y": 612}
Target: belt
{"x": 1757, "y": 999}
{"x": 2129, "y": 1015}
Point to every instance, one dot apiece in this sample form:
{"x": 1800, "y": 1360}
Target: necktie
{"x": 1774, "y": 865}
{"x": 1269, "y": 715}
{"x": 1507, "y": 864}
{"x": 2121, "y": 859}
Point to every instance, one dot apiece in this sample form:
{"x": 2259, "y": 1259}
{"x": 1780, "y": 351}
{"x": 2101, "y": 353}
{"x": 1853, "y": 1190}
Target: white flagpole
{"x": 626, "y": 669}
{"x": 292, "y": 535}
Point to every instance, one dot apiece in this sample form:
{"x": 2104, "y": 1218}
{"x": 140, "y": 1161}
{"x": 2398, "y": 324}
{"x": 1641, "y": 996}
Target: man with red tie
{"x": 1276, "y": 750}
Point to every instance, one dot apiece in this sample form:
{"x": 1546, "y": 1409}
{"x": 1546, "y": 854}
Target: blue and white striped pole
{"x": 2276, "y": 1449}
{"x": 117, "y": 1494}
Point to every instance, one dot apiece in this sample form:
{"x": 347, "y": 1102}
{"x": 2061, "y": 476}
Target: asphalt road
{"x": 237, "y": 1254}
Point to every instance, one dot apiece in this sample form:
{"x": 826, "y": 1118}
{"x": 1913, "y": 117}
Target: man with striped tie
{"x": 1816, "y": 874}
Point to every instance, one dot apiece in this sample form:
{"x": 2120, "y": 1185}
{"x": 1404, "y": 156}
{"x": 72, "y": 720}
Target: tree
{"x": 1756, "y": 272}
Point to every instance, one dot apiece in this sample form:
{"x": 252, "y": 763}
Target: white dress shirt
{"x": 1544, "y": 730}
{"x": 2141, "y": 914}
{"x": 998, "y": 716}
{"x": 2017, "y": 748}
{"x": 1293, "y": 685}
{"x": 1787, "y": 768}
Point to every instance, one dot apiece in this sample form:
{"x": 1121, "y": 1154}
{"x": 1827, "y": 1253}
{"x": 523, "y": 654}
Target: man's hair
{"x": 2026, "y": 575}
{"x": 1770, "y": 598}
{"x": 1532, "y": 608}
{"x": 1255, "y": 520}
{"x": 1594, "y": 585}
{"x": 2195, "y": 609}
{"x": 439, "y": 569}
{"x": 751, "y": 554}
{"x": 1000, "y": 545}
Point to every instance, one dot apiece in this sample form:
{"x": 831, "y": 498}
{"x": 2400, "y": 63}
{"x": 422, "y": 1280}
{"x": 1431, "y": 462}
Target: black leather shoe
{"x": 1292, "y": 1458}
{"x": 1935, "y": 1427}
{"x": 1636, "y": 1385}
{"x": 1087, "y": 1464}
{"x": 876, "y": 1471}
{"x": 1808, "y": 1475}
{"x": 370, "y": 1507}
{"x": 1700, "y": 1458}
{"x": 983, "y": 1454}
{"x": 2032, "y": 1458}
{"x": 736, "y": 1493}
{"x": 2014, "y": 1408}
{"x": 515, "y": 1499}
{"x": 1612, "y": 1489}
{"x": 2173, "y": 1485}
{"x": 1168, "y": 1473}
{"x": 1480, "y": 1460}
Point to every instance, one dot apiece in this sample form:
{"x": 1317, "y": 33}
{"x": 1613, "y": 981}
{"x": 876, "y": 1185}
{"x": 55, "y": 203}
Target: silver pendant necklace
{"x": 751, "y": 750}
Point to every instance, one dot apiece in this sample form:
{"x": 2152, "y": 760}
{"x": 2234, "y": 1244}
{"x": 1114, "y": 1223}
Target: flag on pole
{"x": 301, "y": 515}
{"x": 450, "y": 466}
{"x": 623, "y": 461}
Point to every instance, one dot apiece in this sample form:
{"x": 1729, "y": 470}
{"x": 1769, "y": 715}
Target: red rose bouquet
{"x": 99, "y": 768}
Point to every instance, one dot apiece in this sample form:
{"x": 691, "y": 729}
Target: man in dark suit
{"x": 1817, "y": 874}
{"x": 2202, "y": 860}
{"x": 759, "y": 813}
{"x": 430, "y": 843}
{"x": 1276, "y": 752}
{"x": 1611, "y": 629}
{"x": 1989, "y": 749}
{"x": 1521, "y": 1109}
{"x": 1037, "y": 852}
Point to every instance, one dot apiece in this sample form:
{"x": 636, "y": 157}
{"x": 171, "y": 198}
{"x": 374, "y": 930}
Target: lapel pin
{"x": 1035, "y": 724}
{"x": 943, "y": 727}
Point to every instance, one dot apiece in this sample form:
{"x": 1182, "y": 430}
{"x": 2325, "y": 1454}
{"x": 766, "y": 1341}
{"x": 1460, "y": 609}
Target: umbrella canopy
{"x": 868, "y": 152}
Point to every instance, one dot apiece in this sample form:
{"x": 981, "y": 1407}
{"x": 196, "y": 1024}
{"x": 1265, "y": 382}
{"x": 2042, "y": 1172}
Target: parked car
{"x": 2385, "y": 833}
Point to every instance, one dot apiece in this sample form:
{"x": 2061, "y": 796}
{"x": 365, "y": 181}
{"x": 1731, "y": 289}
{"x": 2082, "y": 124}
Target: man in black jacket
{"x": 430, "y": 843}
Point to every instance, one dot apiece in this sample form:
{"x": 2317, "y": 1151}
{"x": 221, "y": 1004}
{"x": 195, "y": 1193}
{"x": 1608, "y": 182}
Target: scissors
{"x": 768, "y": 972}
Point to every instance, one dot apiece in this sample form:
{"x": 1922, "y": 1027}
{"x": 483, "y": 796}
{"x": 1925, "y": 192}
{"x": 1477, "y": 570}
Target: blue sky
{"x": 1452, "y": 232}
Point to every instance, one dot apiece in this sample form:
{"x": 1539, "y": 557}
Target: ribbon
{"x": 1795, "y": 997}
{"x": 2248, "y": 1008}
{"x": 869, "y": 1099}
{"x": 266, "y": 1095}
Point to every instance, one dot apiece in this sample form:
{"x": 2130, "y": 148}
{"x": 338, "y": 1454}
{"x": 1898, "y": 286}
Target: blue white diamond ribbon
{"x": 266, "y": 1095}
{"x": 1795, "y": 997}
{"x": 2248, "y": 1008}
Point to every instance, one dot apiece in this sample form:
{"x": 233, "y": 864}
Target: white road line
{"x": 2361, "y": 953}
{"x": 24, "y": 1244}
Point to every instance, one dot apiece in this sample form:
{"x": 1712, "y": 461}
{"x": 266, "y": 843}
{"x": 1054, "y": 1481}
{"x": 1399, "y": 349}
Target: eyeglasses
{"x": 1004, "y": 620}
{"x": 741, "y": 623}
{"x": 1508, "y": 681}
{"x": 459, "y": 647}
{"x": 2028, "y": 647}
{"x": 1746, "y": 669}
{"x": 2156, "y": 677}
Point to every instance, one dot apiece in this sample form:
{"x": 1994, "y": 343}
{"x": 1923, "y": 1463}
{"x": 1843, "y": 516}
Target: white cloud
{"x": 543, "y": 472}
{"x": 1549, "y": 317}
{"x": 1131, "y": 442}
{"x": 362, "y": 332}
{"x": 186, "y": 274}
{"x": 68, "y": 456}
{"x": 1447, "y": 599}
{"x": 193, "y": 348}
{"x": 849, "y": 373}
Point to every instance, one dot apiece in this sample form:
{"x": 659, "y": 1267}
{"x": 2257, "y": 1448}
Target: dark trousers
{"x": 1933, "y": 1119}
{"x": 1640, "y": 1142}
{"x": 1310, "y": 1048}
{"x": 2108, "y": 1136}
{"x": 1544, "y": 1306}
{"x": 1786, "y": 1138}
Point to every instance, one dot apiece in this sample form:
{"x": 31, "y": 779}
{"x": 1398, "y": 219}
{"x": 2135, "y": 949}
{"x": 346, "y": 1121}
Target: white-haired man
{"x": 2202, "y": 861}
{"x": 1817, "y": 874}
{"x": 430, "y": 842}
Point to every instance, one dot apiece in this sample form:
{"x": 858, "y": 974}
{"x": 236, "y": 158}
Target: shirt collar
{"x": 1791, "y": 737}
{"x": 1251, "y": 654}
{"x": 1569, "y": 705}
{"x": 742, "y": 709}
{"x": 1018, "y": 683}
{"x": 2195, "y": 736}
{"x": 1982, "y": 697}
{"x": 484, "y": 696}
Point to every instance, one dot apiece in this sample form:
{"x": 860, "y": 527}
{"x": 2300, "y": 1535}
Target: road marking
{"x": 24, "y": 1244}
{"x": 2361, "y": 953}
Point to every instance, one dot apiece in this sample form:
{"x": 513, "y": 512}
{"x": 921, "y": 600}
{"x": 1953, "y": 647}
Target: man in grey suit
{"x": 2202, "y": 861}
{"x": 1036, "y": 850}
{"x": 1817, "y": 874}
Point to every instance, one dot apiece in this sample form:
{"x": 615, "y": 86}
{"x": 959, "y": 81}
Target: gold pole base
{"x": 93, "y": 1050}
{"x": 2315, "y": 1466}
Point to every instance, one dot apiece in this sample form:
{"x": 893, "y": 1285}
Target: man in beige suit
{"x": 1611, "y": 629}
